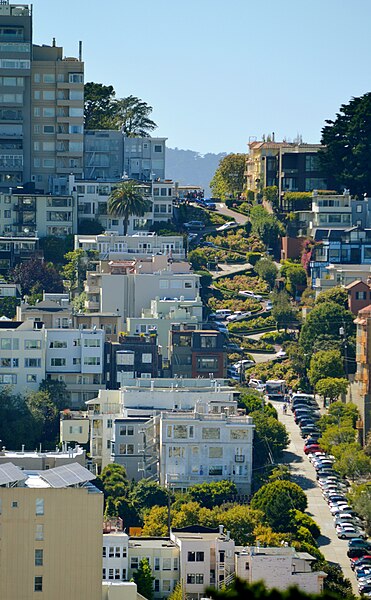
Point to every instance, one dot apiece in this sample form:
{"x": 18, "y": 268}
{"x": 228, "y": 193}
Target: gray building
{"x": 15, "y": 94}
{"x": 41, "y": 106}
{"x": 110, "y": 155}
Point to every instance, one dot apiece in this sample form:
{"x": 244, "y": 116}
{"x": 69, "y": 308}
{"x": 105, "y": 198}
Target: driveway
{"x": 304, "y": 475}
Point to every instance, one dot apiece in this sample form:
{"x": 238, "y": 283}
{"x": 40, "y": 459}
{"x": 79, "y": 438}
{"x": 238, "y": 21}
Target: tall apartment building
{"x": 360, "y": 390}
{"x": 51, "y": 534}
{"x": 41, "y": 106}
{"x": 15, "y": 94}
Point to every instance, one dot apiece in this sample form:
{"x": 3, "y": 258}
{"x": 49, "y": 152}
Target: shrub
{"x": 253, "y": 257}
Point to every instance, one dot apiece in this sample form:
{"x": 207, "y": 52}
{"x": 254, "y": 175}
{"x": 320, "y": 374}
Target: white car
{"x": 347, "y": 532}
{"x": 281, "y": 354}
{"x": 269, "y": 305}
{"x": 257, "y": 384}
{"x": 250, "y": 294}
{"x": 226, "y": 226}
{"x": 243, "y": 363}
{"x": 239, "y": 315}
{"x": 339, "y": 508}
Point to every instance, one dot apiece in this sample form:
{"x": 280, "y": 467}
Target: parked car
{"x": 239, "y": 315}
{"x": 223, "y": 313}
{"x": 250, "y": 294}
{"x": 361, "y": 562}
{"x": 308, "y": 431}
{"x": 205, "y": 244}
{"x": 209, "y": 205}
{"x": 310, "y": 447}
{"x": 357, "y": 552}
{"x": 338, "y": 508}
{"x": 348, "y": 531}
{"x": 359, "y": 542}
{"x": 195, "y": 225}
{"x": 226, "y": 226}
{"x": 269, "y": 305}
{"x": 257, "y": 384}
{"x": 246, "y": 362}
{"x": 233, "y": 347}
{"x": 281, "y": 354}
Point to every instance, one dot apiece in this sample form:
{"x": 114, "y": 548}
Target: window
{"x": 92, "y": 343}
{"x": 39, "y": 558}
{"x": 124, "y": 573}
{"x": 361, "y": 295}
{"x": 176, "y": 564}
{"x": 146, "y": 358}
{"x": 134, "y": 562}
{"x": 239, "y": 434}
{"x": 5, "y": 363}
{"x": 75, "y": 429}
{"x": 14, "y": 504}
{"x": 176, "y": 452}
{"x": 104, "y": 574}
{"x": 39, "y": 506}
{"x": 157, "y": 563}
{"x": 8, "y": 379}
{"x": 38, "y": 584}
{"x": 210, "y": 433}
{"x": 6, "y": 344}
{"x": 126, "y": 448}
{"x": 49, "y": 163}
{"x": 32, "y": 363}
{"x": 208, "y": 341}
{"x": 48, "y": 78}
{"x": 48, "y": 129}
{"x": 31, "y": 379}
{"x": 75, "y": 129}
{"x": 39, "y": 533}
{"x": 110, "y": 573}
{"x": 216, "y": 470}
{"x": 216, "y": 452}
{"x": 205, "y": 363}
{"x": 76, "y": 112}
{"x": 191, "y": 578}
{"x": 111, "y": 552}
{"x": 76, "y": 78}
{"x": 158, "y": 148}
{"x": 48, "y": 146}
{"x": 48, "y": 111}
{"x": 32, "y": 344}
{"x": 49, "y": 95}
{"x": 157, "y": 585}
{"x": 199, "y": 578}
{"x": 180, "y": 432}
{"x": 92, "y": 360}
{"x": 166, "y": 585}
{"x": 196, "y": 556}
{"x": 57, "y": 344}
{"x": 58, "y": 362}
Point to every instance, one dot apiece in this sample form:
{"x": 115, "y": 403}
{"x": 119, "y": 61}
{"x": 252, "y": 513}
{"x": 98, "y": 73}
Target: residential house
{"x": 55, "y": 314}
{"x": 126, "y": 287}
{"x": 197, "y": 353}
{"x": 279, "y": 568}
{"x": 112, "y": 246}
{"x": 206, "y": 558}
{"x": 359, "y": 295}
{"x": 163, "y": 315}
{"x": 22, "y": 355}
{"x": 115, "y": 555}
{"x": 41, "y": 461}
{"x": 74, "y": 426}
{"x": 75, "y": 356}
{"x": 163, "y": 557}
{"x": 292, "y": 167}
{"x": 360, "y": 390}
{"x": 132, "y": 356}
{"x": 16, "y": 249}
{"x": 202, "y": 445}
{"x": 57, "y": 513}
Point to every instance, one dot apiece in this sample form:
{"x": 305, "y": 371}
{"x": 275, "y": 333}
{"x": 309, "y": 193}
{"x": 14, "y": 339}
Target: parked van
{"x": 223, "y": 313}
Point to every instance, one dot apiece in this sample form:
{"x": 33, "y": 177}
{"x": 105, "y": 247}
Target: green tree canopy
{"x": 360, "y": 498}
{"x": 8, "y": 306}
{"x": 336, "y": 294}
{"x": 324, "y": 322}
{"x": 283, "y": 312}
{"x": 155, "y": 522}
{"x": 347, "y": 140}
{"x": 267, "y": 270}
{"x": 147, "y": 493}
{"x": 332, "y": 387}
{"x": 214, "y": 493}
{"x": 295, "y": 276}
{"x": 335, "y": 435}
{"x": 99, "y": 106}
{"x": 126, "y": 200}
{"x": 131, "y": 116}
{"x": 276, "y": 500}
{"x": 78, "y": 263}
{"x": 353, "y": 463}
{"x": 144, "y": 579}
{"x": 325, "y": 363}
{"x": 270, "y": 438}
{"x": 114, "y": 481}
{"x": 229, "y": 177}
{"x": 265, "y": 225}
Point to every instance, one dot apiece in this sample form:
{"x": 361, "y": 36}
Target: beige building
{"x": 279, "y": 568}
{"x": 57, "y": 119}
{"x": 163, "y": 557}
{"x": 51, "y": 534}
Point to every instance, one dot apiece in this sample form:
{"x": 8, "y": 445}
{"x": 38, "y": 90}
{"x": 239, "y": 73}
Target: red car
{"x": 312, "y": 448}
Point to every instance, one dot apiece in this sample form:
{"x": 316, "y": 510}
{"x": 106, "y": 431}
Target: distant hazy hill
{"x": 192, "y": 168}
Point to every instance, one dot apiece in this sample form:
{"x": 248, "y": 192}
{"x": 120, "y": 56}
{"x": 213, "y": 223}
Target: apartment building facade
{"x": 360, "y": 390}
{"x": 202, "y": 446}
{"x": 112, "y": 246}
{"x": 47, "y": 511}
{"x": 163, "y": 557}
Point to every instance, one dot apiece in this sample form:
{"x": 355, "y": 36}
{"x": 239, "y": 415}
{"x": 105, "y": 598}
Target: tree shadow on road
{"x": 291, "y": 457}
{"x": 304, "y": 481}
{"x": 323, "y": 540}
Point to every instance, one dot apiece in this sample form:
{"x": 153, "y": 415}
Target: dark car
{"x": 360, "y": 562}
{"x": 305, "y": 431}
{"x": 359, "y": 542}
{"x": 195, "y": 225}
{"x": 313, "y": 439}
{"x": 357, "y": 552}
{"x": 204, "y": 244}
{"x": 209, "y": 205}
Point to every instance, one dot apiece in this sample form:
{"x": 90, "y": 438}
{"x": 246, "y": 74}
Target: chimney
{"x": 80, "y": 50}
{"x": 221, "y": 528}
{"x": 53, "y": 42}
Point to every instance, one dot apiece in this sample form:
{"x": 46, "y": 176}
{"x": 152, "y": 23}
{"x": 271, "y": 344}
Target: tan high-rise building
{"x": 50, "y": 534}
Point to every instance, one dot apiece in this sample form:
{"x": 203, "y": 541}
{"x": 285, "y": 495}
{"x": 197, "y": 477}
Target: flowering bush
{"x": 242, "y": 282}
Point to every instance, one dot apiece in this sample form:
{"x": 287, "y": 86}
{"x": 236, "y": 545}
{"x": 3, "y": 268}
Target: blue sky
{"x": 218, "y": 72}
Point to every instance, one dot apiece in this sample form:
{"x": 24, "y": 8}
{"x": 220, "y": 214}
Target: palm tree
{"x": 126, "y": 200}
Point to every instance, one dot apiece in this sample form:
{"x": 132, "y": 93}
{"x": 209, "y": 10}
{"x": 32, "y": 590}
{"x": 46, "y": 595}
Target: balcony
{"x": 92, "y": 304}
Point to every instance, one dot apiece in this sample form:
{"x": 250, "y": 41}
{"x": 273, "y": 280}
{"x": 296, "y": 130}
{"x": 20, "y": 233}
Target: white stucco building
{"x": 115, "y": 556}
{"x": 279, "y": 568}
{"x": 113, "y": 246}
